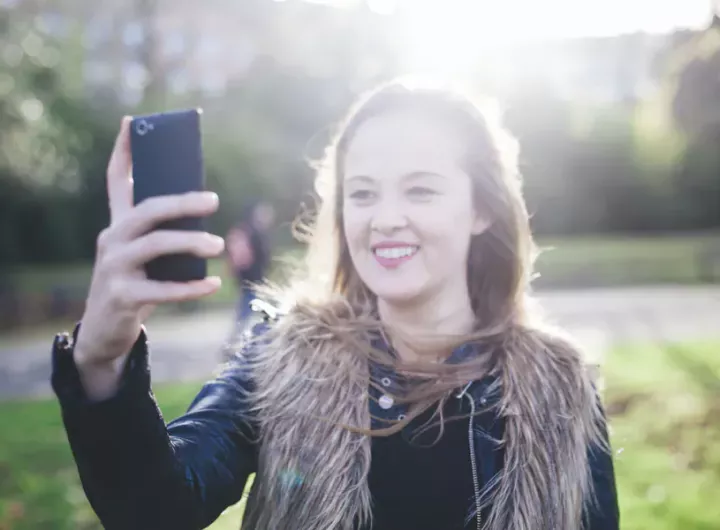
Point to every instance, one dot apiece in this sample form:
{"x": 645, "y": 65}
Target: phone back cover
{"x": 167, "y": 160}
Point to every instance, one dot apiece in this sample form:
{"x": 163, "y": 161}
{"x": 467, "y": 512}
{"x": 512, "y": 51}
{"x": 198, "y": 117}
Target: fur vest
{"x": 312, "y": 471}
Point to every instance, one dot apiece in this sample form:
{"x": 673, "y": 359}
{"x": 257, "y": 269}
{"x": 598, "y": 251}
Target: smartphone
{"x": 167, "y": 160}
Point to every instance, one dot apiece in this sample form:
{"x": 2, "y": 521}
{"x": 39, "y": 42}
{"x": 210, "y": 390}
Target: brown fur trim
{"x": 312, "y": 471}
{"x": 552, "y": 415}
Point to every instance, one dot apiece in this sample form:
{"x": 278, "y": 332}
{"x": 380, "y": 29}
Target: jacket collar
{"x": 483, "y": 391}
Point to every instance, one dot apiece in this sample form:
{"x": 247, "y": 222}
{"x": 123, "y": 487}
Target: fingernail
{"x": 217, "y": 240}
{"x": 212, "y": 197}
{"x": 214, "y": 281}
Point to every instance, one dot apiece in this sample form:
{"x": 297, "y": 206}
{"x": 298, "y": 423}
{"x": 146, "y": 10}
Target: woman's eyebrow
{"x": 360, "y": 178}
{"x": 414, "y": 175}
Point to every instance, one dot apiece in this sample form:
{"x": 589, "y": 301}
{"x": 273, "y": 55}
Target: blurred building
{"x": 186, "y": 46}
{"x": 128, "y": 50}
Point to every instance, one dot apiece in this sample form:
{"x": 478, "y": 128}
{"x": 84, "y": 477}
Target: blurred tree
{"x": 543, "y": 124}
{"x": 64, "y": 82}
{"x": 33, "y": 143}
{"x": 696, "y": 108}
{"x": 158, "y": 65}
{"x": 49, "y": 147}
{"x": 150, "y": 52}
{"x": 696, "y": 104}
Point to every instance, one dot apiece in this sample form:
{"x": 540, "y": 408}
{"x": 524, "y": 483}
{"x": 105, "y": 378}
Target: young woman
{"x": 407, "y": 384}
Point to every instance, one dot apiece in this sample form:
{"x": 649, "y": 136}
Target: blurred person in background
{"x": 407, "y": 385}
{"x": 248, "y": 254}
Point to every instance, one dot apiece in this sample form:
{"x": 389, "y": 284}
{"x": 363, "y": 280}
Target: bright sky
{"x": 449, "y": 35}
{"x": 559, "y": 18}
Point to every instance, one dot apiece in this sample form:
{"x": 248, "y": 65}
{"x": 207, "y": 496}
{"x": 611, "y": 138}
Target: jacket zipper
{"x": 473, "y": 459}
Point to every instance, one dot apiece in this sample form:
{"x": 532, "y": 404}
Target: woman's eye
{"x": 362, "y": 195}
{"x": 422, "y": 191}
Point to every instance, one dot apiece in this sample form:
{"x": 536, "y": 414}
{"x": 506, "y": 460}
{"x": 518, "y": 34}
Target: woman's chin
{"x": 398, "y": 287}
{"x": 397, "y": 295}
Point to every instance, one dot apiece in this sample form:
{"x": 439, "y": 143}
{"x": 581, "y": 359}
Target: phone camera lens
{"x": 143, "y": 127}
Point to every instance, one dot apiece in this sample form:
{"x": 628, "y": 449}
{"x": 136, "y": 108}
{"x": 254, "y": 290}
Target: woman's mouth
{"x": 391, "y": 256}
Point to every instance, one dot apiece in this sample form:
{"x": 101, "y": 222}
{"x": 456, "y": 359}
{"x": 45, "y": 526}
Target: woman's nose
{"x": 389, "y": 216}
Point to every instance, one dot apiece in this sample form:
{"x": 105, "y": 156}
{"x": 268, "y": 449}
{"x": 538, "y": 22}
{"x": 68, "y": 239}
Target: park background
{"x": 617, "y": 109}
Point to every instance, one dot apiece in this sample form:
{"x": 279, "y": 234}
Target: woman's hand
{"x": 121, "y": 297}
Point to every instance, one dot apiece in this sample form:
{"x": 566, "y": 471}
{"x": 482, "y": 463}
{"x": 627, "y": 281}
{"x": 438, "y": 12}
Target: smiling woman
{"x": 408, "y": 210}
{"x": 408, "y": 385}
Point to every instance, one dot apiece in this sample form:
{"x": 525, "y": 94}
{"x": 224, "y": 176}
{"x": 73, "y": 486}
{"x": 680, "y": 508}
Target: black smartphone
{"x": 167, "y": 160}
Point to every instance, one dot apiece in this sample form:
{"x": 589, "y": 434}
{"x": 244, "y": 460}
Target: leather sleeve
{"x": 603, "y": 512}
{"x": 140, "y": 473}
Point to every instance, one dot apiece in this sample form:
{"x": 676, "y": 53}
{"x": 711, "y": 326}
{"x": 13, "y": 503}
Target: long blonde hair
{"x": 500, "y": 260}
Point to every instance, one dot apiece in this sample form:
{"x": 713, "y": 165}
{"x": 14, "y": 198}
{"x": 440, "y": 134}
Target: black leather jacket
{"x": 139, "y": 473}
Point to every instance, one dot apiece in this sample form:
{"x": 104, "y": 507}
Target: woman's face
{"x": 408, "y": 207}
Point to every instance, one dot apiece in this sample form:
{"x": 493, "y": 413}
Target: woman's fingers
{"x": 144, "y": 217}
{"x": 164, "y": 242}
{"x": 119, "y": 174}
{"x": 153, "y": 211}
{"x": 149, "y": 292}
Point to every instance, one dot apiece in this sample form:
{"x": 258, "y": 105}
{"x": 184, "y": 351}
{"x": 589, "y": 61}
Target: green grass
{"x": 663, "y": 405}
{"x": 39, "y": 486}
{"x": 591, "y": 261}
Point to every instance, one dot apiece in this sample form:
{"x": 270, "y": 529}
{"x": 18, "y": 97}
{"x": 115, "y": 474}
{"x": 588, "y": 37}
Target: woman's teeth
{"x": 395, "y": 252}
